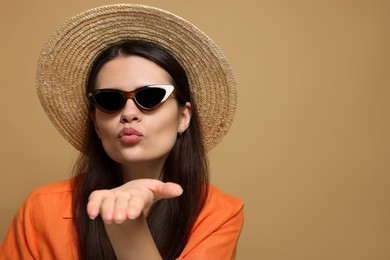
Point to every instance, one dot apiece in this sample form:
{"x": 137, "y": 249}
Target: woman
{"x": 141, "y": 188}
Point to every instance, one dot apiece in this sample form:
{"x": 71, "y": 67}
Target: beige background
{"x": 309, "y": 151}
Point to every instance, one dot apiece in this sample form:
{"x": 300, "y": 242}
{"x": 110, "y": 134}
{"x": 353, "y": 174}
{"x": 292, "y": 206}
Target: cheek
{"x": 104, "y": 129}
{"x": 164, "y": 134}
{"x": 108, "y": 137}
{"x": 102, "y": 122}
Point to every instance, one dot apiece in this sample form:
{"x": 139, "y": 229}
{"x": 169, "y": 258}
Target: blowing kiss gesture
{"x": 124, "y": 210}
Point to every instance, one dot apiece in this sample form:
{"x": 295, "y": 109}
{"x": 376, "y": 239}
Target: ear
{"x": 185, "y": 117}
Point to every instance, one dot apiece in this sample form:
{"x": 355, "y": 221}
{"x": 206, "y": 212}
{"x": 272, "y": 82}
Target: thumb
{"x": 166, "y": 190}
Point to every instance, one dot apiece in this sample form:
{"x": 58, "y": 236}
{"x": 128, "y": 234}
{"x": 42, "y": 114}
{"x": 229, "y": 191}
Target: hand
{"x": 129, "y": 200}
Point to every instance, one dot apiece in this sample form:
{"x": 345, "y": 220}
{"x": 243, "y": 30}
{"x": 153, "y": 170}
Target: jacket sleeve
{"x": 20, "y": 241}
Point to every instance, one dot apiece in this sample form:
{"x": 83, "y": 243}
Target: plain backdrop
{"x": 309, "y": 150}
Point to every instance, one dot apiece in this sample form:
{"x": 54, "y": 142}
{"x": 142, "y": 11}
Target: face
{"x": 133, "y": 135}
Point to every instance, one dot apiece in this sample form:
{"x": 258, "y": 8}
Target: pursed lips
{"x": 129, "y": 136}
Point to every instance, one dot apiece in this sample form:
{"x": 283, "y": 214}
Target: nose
{"x": 130, "y": 112}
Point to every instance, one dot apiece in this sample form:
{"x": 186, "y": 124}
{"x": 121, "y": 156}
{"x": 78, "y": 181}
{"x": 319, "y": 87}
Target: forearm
{"x": 132, "y": 240}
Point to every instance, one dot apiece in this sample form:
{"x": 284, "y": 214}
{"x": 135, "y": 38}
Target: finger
{"x": 136, "y": 206}
{"x": 120, "y": 208}
{"x": 107, "y": 208}
{"x": 94, "y": 202}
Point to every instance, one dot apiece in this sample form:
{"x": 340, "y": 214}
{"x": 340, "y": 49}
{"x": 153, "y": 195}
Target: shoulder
{"x": 34, "y": 232}
{"x": 53, "y": 188}
{"x": 218, "y": 202}
{"x": 55, "y": 197}
{"x": 215, "y": 197}
{"x": 219, "y": 209}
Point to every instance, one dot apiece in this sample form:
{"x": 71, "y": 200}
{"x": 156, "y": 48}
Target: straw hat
{"x": 67, "y": 57}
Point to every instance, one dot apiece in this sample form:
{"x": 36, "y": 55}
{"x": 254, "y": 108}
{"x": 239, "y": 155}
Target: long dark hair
{"x": 170, "y": 221}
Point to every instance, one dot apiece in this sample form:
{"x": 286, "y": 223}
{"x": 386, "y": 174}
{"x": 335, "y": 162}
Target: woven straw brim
{"x": 67, "y": 57}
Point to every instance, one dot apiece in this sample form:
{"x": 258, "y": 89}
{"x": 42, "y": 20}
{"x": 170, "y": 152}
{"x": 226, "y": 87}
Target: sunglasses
{"x": 146, "y": 98}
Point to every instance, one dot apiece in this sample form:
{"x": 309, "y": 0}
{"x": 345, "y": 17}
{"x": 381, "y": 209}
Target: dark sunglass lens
{"x": 109, "y": 101}
{"x": 150, "y": 97}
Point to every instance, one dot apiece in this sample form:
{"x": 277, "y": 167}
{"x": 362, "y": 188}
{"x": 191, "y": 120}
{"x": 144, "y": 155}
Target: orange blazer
{"x": 43, "y": 227}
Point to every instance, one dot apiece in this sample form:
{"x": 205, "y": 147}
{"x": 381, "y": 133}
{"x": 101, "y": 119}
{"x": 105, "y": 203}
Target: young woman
{"x": 141, "y": 187}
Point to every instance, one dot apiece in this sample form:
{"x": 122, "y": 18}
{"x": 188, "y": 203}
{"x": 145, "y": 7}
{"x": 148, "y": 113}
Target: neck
{"x": 141, "y": 170}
